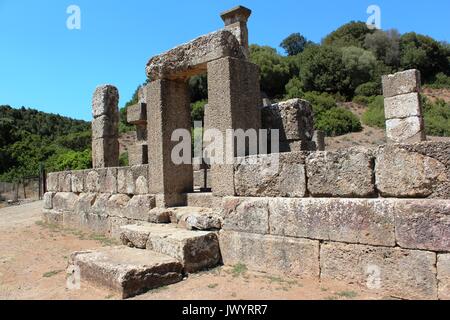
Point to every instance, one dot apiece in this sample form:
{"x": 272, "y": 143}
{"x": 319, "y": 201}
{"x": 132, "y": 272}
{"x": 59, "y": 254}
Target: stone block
{"x": 407, "y": 130}
{"x": 275, "y": 175}
{"x": 403, "y": 106}
{"x": 85, "y": 203}
{"x": 413, "y": 171}
{"x": 105, "y": 101}
{"x": 115, "y": 225}
{"x": 65, "y": 201}
{"x": 127, "y": 271}
{"x": 48, "y": 200}
{"x": 246, "y": 215}
{"x": 117, "y": 205}
{"x": 139, "y": 206}
{"x": 345, "y": 173}
{"x": 52, "y": 182}
{"x": 98, "y": 224}
{"x": 107, "y": 182}
{"x": 294, "y": 118}
{"x": 401, "y": 83}
{"x": 52, "y": 217}
{"x": 64, "y": 181}
{"x": 137, "y": 114}
{"x": 105, "y": 152}
{"x": 443, "y": 275}
{"x": 319, "y": 140}
{"x": 92, "y": 181}
{"x": 206, "y": 200}
{"x": 191, "y": 58}
{"x": 133, "y": 180}
{"x": 101, "y": 203}
{"x": 200, "y": 219}
{"x": 359, "y": 221}
{"x": 196, "y": 250}
{"x": 138, "y": 154}
{"x": 395, "y": 272}
{"x": 159, "y": 215}
{"x": 105, "y": 127}
{"x": 78, "y": 181}
{"x": 275, "y": 255}
{"x": 423, "y": 224}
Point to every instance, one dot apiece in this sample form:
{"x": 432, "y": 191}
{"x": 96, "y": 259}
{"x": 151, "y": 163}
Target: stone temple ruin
{"x": 377, "y": 217}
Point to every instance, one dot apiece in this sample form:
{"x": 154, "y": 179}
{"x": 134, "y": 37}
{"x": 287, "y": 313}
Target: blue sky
{"x": 46, "y": 66}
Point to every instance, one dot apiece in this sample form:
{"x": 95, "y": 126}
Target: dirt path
{"x": 33, "y": 259}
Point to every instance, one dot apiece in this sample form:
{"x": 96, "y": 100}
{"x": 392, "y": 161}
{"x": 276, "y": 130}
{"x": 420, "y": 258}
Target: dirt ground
{"x": 33, "y": 259}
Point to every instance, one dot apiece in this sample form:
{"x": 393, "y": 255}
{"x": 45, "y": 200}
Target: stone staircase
{"x": 154, "y": 254}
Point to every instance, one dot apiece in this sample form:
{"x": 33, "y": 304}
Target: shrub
{"x": 123, "y": 160}
{"x": 198, "y": 110}
{"x": 338, "y": 121}
{"x": 368, "y": 89}
{"x": 361, "y": 100}
{"x": 320, "y": 101}
{"x": 441, "y": 81}
{"x": 437, "y": 118}
{"x": 374, "y": 116}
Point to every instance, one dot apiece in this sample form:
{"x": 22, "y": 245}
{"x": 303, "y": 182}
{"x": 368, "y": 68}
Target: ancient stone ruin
{"x": 377, "y": 217}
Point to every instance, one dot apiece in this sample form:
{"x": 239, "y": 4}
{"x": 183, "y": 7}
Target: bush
{"x": 437, "y": 118}
{"x": 123, "y": 160}
{"x": 368, "y": 89}
{"x": 70, "y": 160}
{"x": 198, "y": 110}
{"x": 294, "y": 89}
{"x": 374, "y": 116}
{"x": 320, "y": 102}
{"x": 441, "y": 81}
{"x": 338, "y": 121}
{"x": 361, "y": 100}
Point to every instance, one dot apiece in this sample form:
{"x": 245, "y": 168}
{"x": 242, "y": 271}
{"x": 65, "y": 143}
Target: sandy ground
{"x": 33, "y": 259}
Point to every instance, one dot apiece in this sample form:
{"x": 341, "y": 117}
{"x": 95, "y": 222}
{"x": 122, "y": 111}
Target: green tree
{"x": 359, "y": 65}
{"x": 350, "y": 34}
{"x": 294, "y": 44}
{"x": 385, "y": 45}
{"x": 338, "y": 121}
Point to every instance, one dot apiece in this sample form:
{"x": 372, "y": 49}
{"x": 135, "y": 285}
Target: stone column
{"x": 234, "y": 99}
{"x": 236, "y": 21}
{"x": 319, "y": 140}
{"x": 403, "y": 109}
{"x": 168, "y": 109}
{"x": 105, "y": 127}
{"x": 137, "y": 115}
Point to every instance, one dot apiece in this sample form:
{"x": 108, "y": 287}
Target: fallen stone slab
{"x": 196, "y": 250}
{"x": 159, "y": 215}
{"x": 407, "y": 274}
{"x": 200, "y": 219}
{"x": 127, "y": 271}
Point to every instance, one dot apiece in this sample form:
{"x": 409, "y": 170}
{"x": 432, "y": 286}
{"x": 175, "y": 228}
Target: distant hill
{"x": 29, "y": 137}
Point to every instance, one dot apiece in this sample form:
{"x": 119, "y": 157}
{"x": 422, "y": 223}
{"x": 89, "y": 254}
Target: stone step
{"x": 196, "y": 250}
{"x": 196, "y": 218}
{"x": 127, "y": 271}
{"x": 206, "y": 200}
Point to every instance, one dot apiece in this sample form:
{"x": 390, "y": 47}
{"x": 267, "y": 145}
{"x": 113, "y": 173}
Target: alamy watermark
{"x": 73, "y": 22}
{"x": 374, "y": 20}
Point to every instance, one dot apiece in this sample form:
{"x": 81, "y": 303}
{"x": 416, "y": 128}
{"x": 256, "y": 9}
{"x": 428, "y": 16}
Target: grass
{"x": 347, "y": 294}
{"x": 213, "y": 285}
{"x": 239, "y": 269}
{"x": 52, "y": 273}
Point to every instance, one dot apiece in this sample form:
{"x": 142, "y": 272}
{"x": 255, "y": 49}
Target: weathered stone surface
{"x": 294, "y": 118}
{"x": 401, "y": 83}
{"x": 133, "y": 180}
{"x": 200, "y": 219}
{"x": 138, "y": 154}
{"x": 392, "y": 271}
{"x": 52, "y": 182}
{"x": 52, "y": 217}
{"x": 65, "y": 201}
{"x": 48, "y": 200}
{"x": 319, "y": 140}
{"x": 236, "y": 21}
{"x": 117, "y": 205}
{"x": 277, "y": 255}
{"x": 127, "y": 271}
{"x": 78, "y": 181}
{"x": 107, "y": 182}
{"x": 139, "y": 206}
{"x": 159, "y": 215}
{"x": 104, "y": 127}
{"x": 105, "y": 152}
{"x": 246, "y": 215}
{"x": 403, "y": 106}
{"x": 443, "y": 275}
{"x": 196, "y": 250}
{"x": 359, "y": 221}
{"x": 408, "y": 130}
{"x": 275, "y": 175}
{"x": 115, "y": 225}
{"x": 137, "y": 114}
{"x": 191, "y": 58}
{"x": 97, "y": 224}
{"x": 64, "y": 181}
{"x": 100, "y": 204}
{"x": 85, "y": 203}
{"x": 105, "y": 101}
{"x": 407, "y": 172}
{"x": 423, "y": 224}
{"x": 344, "y": 173}
{"x": 92, "y": 181}
{"x": 206, "y": 200}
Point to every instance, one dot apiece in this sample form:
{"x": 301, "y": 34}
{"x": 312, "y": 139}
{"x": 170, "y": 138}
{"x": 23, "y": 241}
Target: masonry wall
{"x": 377, "y": 217}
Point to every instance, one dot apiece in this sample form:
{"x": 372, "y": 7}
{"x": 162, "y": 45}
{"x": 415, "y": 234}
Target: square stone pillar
{"x": 236, "y": 22}
{"x": 105, "y": 127}
{"x": 168, "y": 109}
{"x": 403, "y": 108}
{"x": 234, "y": 99}
{"x": 137, "y": 115}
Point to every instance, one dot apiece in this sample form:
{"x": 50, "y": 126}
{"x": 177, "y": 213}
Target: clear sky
{"x": 46, "y": 66}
